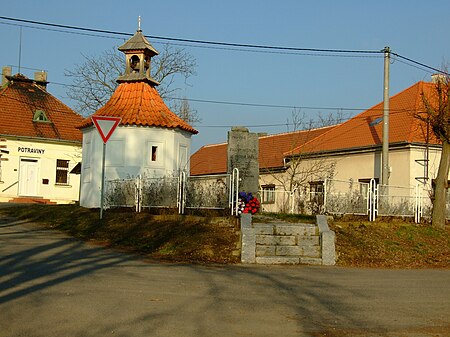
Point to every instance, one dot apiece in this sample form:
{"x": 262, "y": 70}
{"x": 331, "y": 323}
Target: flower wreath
{"x": 248, "y": 203}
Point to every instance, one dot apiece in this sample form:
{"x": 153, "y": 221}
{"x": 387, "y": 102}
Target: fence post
{"x": 372, "y": 199}
{"x": 181, "y": 192}
{"x": 292, "y": 199}
{"x": 138, "y": 193}
{"x": 325, "y": 190}
{"x": 234, "y": 191}
{"x": 418, "y": 204}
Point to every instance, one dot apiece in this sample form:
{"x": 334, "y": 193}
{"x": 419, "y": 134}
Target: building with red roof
{"x": 212, "y": 159}
{"x": 150, "y": 140}
{"x": 350, "y": 151}
{"x": 39, "y": 144}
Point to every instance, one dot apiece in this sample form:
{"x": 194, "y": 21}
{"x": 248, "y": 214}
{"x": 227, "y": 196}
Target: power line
{"x": 318, "y": 123}
{"x": 249, "y": 104}
{"x": 194, "y": 41}
{"x": 223, "y": 45}
{"x": 261, "y": 105}
{"x": 420, "y": 64}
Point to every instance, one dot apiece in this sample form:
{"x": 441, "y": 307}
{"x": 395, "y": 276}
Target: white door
{"x": 28, "y": 177}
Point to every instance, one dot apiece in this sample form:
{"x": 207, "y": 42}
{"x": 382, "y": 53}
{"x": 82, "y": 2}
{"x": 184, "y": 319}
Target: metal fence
{"x": 358, "y": 198}
{"x": 376, "y": 200}
{"x": 334, "y": 196}
{"x": 345, "y": 197}
{"x": 177, "y": 192}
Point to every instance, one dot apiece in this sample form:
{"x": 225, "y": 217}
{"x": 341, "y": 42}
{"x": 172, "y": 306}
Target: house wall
{"x": 405, "y": 164}
{"x": 30, "y": 170}
{"x": 131, "y": 151}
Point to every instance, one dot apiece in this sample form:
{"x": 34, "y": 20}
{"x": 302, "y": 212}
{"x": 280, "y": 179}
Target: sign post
{"x": 105, "y": 127}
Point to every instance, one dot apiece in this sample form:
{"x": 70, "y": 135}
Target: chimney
{"x": 40, "y": 78}
{"x": 439, "y": 78}
{"x": 6, "y": 71}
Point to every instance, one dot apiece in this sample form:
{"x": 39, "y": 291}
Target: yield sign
{"x": 105, "y": 125}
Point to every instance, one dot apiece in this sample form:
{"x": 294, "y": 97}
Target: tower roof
{"x": 140, "y": 104}
{"x": 138, "y": 53}
{"x": 138, "y": 42}
{"x": 136, "y": 101}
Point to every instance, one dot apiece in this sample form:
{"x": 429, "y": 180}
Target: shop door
{"x": 28, "y": 177}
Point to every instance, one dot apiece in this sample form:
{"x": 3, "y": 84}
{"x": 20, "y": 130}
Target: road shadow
{"x": 43, "y": 258}
{"x": 164, "y": 299}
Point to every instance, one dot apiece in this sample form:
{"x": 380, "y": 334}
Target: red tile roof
{"x": 361, "y": 131}
{"x": 212, "y": 159}
{"x": 366, "y": 129}
{"x": 20, "y": 99}
{"x": 139, "y": 103}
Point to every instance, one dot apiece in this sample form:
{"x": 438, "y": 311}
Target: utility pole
{"x": 385, "y": 148}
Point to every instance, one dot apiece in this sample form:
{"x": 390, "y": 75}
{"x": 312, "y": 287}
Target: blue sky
{"x": 412, "y": 28}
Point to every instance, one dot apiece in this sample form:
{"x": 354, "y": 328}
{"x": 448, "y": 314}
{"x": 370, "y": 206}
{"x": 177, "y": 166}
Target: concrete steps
{"x": 286, "y": 243}
{"x": 32, "y": 200}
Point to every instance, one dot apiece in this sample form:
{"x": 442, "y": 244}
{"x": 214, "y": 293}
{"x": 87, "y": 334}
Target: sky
{"x": 261, "y": 86}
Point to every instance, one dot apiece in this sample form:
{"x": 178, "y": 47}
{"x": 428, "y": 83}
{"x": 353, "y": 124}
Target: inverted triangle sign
{"x": 105, "y": 125}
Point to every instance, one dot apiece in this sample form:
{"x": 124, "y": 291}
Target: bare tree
{"x": 301, "y": 169}
{"x": 185, "y": 112}
{"x": 437, "y": 114}
{"x": 94, "y": 81}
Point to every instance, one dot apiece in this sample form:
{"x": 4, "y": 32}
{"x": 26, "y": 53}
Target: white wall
{"x": 129, "y": 154}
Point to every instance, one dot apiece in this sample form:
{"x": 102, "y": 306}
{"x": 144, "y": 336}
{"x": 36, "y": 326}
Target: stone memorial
{"x": 243, "y": 154}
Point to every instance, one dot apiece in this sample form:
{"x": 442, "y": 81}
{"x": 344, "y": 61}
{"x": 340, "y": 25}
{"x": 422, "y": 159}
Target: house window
{"x": 154, "y": 152}
{"x": 268, "y": 194}
{"x": 316, "y": 192}
{"x": 40, "y": 116}
{"x": 62, "y": 172}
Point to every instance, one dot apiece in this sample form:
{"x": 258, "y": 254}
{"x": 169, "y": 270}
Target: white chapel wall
{"x": 131, "y": 151}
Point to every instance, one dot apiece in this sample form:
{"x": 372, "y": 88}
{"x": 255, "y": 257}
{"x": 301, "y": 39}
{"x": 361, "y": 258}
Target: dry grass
{"x": 167, "y": 237}
{"x": 209, "y": 239}
{"x": 392, "y": 244}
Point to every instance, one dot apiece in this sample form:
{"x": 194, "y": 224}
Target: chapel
{"x": 150, "y": 139}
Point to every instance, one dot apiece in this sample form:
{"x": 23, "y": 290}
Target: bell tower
{"x": 138, "y": 54}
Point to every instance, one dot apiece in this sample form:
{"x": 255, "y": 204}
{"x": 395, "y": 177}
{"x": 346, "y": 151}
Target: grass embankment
{"x": 391, "y": 244}
{"x": 387, "y": 244}
{"x": 168, "y": 237}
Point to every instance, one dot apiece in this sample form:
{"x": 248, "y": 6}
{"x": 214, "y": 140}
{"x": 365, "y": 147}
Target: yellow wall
{"x": 44, "y": 156}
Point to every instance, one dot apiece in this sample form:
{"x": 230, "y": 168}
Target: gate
{"x": 372, "y": 199}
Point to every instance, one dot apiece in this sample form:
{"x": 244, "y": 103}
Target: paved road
{"x": 52, "y": 285}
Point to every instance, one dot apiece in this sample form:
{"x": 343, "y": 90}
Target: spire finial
{"x": 139, "y": 24}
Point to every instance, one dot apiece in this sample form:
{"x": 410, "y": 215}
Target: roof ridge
{"x": 212, "y": 145}
{"x": 315, "y": 138}
{"x": 298, "y": 131}
{"x": 357, "y": 132}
